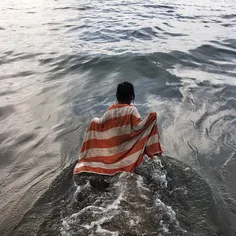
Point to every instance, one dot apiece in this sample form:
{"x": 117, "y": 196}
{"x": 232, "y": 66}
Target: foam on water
{"x": 131, "y": 202}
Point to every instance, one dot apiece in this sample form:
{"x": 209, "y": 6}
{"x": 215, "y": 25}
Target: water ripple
{"x": 60, "y": 62}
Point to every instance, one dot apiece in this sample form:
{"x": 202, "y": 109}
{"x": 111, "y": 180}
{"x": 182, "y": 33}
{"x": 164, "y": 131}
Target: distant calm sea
{"x": 60, "y": 62}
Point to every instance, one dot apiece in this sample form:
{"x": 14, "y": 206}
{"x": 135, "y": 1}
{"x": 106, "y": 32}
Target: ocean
{"x": 60, "y": 63}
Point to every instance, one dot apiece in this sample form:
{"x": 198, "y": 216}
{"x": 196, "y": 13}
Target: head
{"x": 125, "y": 93}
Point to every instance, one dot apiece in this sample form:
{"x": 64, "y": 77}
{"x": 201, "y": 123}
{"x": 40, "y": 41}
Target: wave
{"x": 229, "y": 16}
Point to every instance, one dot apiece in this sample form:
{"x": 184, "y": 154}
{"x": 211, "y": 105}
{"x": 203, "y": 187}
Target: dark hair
{"x": 125, "y": 92}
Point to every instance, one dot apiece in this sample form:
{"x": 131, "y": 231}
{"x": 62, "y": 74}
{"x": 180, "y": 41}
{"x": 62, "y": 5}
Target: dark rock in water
{"x": 172, "y": 200}
{"x": 186, "y": 192}
{"x": 98, "y": 182}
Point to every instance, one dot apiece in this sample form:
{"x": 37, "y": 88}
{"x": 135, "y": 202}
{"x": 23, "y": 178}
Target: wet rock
{"x": 173, "y": 200}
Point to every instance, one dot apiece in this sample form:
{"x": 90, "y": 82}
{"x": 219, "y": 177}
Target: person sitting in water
{"x": 119, "y": 140}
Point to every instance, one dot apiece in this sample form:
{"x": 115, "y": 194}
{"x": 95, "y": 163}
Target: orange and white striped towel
{"x": 118, "y": 141}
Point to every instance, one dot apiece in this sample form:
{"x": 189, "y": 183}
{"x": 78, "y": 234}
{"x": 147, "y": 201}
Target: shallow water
{"x": 60, "y": 62}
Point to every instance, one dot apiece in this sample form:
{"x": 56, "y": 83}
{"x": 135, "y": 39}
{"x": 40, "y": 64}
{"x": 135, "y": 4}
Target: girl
{"x": 118, "y": 140}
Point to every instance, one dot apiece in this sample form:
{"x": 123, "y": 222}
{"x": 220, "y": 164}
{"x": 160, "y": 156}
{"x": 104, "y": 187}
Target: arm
{"x": 137, "y": 122}
{"x": 135, "y": 119}
{"x": 153, "y": 146}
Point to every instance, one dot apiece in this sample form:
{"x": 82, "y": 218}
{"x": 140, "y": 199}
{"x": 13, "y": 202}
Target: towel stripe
{"x": 90, "y": 152}
{"x": 119, "y": 156}
{"x": 112, "y": 123}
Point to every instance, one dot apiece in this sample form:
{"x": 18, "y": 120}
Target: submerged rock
{"x": 173, "y": 200}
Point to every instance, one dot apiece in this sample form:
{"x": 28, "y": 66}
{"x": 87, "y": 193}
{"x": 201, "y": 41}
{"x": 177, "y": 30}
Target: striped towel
{"x": 118, "y": 141}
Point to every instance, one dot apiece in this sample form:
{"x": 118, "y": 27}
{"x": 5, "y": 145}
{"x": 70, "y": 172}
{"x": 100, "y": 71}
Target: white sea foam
{"x": 127, "y": 207}
{"x": 65, "y": 228}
